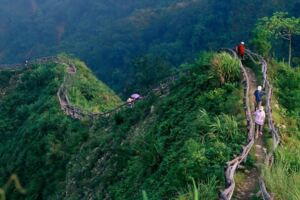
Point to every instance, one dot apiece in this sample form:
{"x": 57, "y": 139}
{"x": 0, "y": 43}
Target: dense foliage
{"x": 283, "y": 179}
{"x": 169, "y": 147}
{"x": 161, "y": 143}
{"x": 37, "y": 138}
{"x": 279, "y": 26}
{"x": 87, "y": 92}
{"x": 225, "y": 68}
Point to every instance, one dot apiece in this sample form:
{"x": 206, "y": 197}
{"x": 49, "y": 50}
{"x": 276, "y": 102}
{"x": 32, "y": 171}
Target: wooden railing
{"x": 79, "y": 113}
{"x": 257, "y": 59}
{"x": 62, "y": 93}
{"x": 269, "y": 91}
{"x": 233, "y": 164}
{"x": 163, "y": 88}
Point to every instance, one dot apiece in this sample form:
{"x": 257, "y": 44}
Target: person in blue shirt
{"x": 258, "y": 94}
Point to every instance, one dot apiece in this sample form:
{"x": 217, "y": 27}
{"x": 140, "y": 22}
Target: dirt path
{"x": 248, "y": 188}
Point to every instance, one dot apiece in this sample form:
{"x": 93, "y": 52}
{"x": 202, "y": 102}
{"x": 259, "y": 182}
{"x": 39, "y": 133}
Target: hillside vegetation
{"x": 159, "y": 145}
{"x": 37, "y": 138}
{"x": 162, "y": 143}
{"x": 169, "y": 145}
{"x": 283, "y": 178}
{"x": 88, "y": 93}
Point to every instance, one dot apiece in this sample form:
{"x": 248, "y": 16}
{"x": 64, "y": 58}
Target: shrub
{"x": 225, "y": 68}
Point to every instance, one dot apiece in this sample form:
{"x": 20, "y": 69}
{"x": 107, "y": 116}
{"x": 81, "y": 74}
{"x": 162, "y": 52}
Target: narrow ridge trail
{"x": 74, "y": 112}
{"x": 249, "y": 186}
{"x": 78, "y": 113}
{"x": 253, "y": 180}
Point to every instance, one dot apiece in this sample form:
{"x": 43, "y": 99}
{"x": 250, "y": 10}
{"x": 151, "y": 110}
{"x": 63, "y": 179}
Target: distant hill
{"x": 37, "y": 137}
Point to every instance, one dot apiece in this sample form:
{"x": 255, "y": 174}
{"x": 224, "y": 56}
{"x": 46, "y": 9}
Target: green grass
{"x": 225, "y": 67}
{"x": 282, "y": 181}
{"x": 87, "y": 92}
{"x": 37, "y": 138}
{"x": 239, "y": 178}
{"x": 193, "y": 132}
{"x": 206, "y": 190}
{"x": 283, "y": 178}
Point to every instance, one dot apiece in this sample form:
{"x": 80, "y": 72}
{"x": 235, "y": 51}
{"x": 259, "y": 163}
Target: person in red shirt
{"x": 241, "y": 50}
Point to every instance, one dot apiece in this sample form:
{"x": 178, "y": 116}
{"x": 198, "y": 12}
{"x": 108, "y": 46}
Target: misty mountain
{"x": 109, "y": 34}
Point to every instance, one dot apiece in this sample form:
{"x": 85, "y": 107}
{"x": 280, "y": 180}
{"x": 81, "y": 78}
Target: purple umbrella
{"x": 135, "y": 96}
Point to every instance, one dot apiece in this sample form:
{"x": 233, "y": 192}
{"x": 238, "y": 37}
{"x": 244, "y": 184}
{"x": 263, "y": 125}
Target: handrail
{"x": 233, "y": 164}
{"x": 66, "y": 105}
{"x": 163, "y": 87}
{"x": 79, "y": 113}
{"x": 257, "y": 59}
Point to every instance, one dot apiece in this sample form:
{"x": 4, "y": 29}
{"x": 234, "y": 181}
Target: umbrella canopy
{"x": 135, "y": 96}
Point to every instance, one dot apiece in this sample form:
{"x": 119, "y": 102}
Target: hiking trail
{"x": 253, "y": 180}
{"x": 249, "y": 186}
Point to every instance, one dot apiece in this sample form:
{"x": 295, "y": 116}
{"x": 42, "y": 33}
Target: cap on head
{"x": 261, "y": 108}
{"x": 242, "y": 42}
{"x": 259, "y": 88}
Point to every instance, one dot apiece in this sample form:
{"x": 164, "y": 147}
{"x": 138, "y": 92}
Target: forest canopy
{"x": 110, "y": 35}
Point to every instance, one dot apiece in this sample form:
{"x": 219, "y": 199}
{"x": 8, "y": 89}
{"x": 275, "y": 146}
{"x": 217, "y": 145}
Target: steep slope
{"x": 86, "y": 92}
{"x": 37, "y": 138}
{"x": 161, "y": 143}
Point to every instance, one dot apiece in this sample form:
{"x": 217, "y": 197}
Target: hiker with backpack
{"x": 240, "y": 49}
{"x": 258, "y": 94}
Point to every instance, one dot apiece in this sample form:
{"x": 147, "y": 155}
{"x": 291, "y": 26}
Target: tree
{"x": 261, "y": 39}
{"x": 147, "y": 72}
{"x": 282, "y": 26}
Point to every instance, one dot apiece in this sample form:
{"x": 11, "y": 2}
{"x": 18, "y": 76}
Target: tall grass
{"x": 201, "y": 191}
{"x": 145, "y": 197}
{"x": 195, "y": 191}
{"x": 225, "y": 68}
{"x": 283, "y": 180}
{"x": 225, "y": 125}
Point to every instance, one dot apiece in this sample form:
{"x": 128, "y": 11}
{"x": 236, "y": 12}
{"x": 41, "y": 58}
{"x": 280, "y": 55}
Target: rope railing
{"x": 233, "y": 164}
